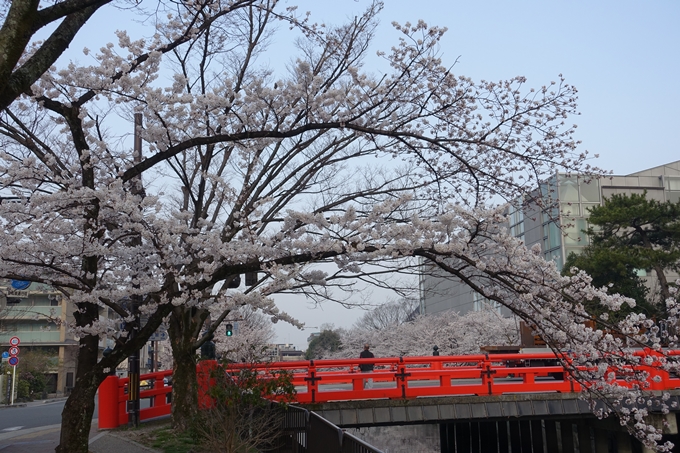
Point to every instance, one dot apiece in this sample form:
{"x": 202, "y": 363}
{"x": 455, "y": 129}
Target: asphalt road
{"x": 35, "y": 428}
{"x": 32, "y": 415}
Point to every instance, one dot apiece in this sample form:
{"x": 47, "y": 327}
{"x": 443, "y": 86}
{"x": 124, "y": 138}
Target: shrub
{"x": 242, "y": 418}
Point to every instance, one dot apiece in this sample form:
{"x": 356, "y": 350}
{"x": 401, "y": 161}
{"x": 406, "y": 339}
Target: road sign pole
{"x": 14, "y": 379}
{"x": 9, "y": 388}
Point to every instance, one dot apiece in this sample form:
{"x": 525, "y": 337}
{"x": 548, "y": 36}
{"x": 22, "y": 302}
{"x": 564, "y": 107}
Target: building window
{"x": 568, "y": 189}
{"x": 570, "y": 209}
{"x": 574, "y": 232}
{"x": 551, "y": 236}
{"x": 589, "y": 191}
{"x": 516, "y": 219}
{"x": 673, "y": 188}
{"x": 672, "y": 183}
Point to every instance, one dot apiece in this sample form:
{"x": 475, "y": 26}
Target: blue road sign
{"x": 20, "y": 284}
{"x": 5, "y": 355}
{"x": 13, "y": 361}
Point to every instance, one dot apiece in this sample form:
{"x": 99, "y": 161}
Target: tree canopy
{"x": 323, "y": 346}
{"x": 452, "y": 333}
{"x": 630, "y": 235}
{"x": 389, "y": 314}
{"x": 316, "y": 175}
{"x": 613, "y": 269}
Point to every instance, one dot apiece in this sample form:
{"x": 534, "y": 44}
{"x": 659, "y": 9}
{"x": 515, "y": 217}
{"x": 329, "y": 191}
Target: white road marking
{"x": 13, "y": 428}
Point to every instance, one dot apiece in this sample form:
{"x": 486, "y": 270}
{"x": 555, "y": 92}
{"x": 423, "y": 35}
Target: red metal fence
{"x": 399, "y": 377}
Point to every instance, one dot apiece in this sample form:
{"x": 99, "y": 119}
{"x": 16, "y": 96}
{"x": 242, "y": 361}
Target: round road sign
{"x": 20, "y": 284}
{"x": 14, "y": 341}
{"x": 13, "y": 350}
{"x": 14, "y": 361}
{"x": 5, "y": 354}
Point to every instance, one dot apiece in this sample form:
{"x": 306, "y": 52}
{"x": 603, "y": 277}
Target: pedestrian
{"x": 435, "y": 351}
{"x": 367, "y": 367}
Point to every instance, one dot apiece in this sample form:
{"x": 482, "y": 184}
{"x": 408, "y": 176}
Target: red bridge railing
{"x": 320, "y": 381}
{"x": 113, "y": 397}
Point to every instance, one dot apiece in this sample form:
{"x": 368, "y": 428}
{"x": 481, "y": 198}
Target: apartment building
{"x": 37, "y": 315}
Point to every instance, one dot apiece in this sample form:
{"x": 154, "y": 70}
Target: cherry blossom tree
{"x": 21, "y": 64}
{"x": 316, "y": 177}
{"x": 452, "y": 333}
{"x": 389, "y": 314}
{"x": 254, "y": 333}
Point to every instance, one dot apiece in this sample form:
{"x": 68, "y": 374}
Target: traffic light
{"x": 230, "y": 330}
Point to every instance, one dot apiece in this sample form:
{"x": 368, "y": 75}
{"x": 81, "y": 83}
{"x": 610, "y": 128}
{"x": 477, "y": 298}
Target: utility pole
{"x": 136, "y": 300}
{"x": 154, "y": 358}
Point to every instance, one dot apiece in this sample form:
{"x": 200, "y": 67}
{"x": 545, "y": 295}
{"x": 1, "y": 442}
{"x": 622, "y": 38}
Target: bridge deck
{"x": 354, "y": 414}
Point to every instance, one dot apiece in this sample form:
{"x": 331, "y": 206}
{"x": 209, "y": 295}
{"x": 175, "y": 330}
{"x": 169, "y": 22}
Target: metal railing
{"x": 306, "y": 432}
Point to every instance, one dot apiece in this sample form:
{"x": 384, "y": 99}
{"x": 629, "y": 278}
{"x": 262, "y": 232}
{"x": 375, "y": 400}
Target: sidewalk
{"x": 46, "y": 438}
{"x": 108, "y": 442}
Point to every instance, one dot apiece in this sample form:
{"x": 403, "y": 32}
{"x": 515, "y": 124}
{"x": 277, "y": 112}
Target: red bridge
{"x": 320, "y": 381}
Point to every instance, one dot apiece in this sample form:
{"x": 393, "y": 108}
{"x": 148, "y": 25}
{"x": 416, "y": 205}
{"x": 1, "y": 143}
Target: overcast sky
{"x": 622, "y": 55}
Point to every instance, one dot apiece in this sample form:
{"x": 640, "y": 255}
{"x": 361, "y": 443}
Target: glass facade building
{"x": 556, "y": 220}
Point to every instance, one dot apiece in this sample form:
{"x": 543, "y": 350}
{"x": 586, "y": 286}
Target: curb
{"x": 6, "y": 406}
{"x": 34, "y": 403}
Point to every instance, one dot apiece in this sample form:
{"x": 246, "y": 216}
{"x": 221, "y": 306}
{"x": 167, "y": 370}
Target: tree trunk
{"x": 76, "y": 418}
{"x": 183, "y": 332}
{"x": 665, "y": 289}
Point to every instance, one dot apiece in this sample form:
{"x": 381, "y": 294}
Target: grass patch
{"x": 159, "y": 435}
{"x": 170, "y": 441}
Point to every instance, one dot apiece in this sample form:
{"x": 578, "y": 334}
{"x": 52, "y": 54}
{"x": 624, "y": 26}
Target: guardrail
{"x": 318, "y": 381}
{"x": 307, "y": 432}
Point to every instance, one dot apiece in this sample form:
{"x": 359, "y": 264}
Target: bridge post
{"x": 108, "y": 403}
{"x": 312, "y": 381}
{"x": 204, "y": 369}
